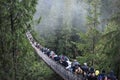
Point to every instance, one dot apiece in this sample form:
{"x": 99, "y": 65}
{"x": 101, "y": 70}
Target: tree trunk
{"x": 118, "y": 73}
{"x": 75, "y": 53}
{"x": 93, "y": 46}
{"x": 13, "y": 45}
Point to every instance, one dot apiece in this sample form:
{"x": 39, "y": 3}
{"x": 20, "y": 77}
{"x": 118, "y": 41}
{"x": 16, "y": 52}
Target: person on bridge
{"x": 102, "y": 76}
{"x": 111, "y": 76}
{"x": 69, "y": 66}
{"x": 63, "y": 58}
{"x": 56, "y": 58}
{"x": 64, "y": 63}
{"x": 85, "y": 68}
{"x": 97, "y": 73}
{"x": 75, "y": 65}
{"x": 91, "y": 74}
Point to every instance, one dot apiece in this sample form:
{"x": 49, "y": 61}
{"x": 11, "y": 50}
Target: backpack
{"x": 100, "y": 77}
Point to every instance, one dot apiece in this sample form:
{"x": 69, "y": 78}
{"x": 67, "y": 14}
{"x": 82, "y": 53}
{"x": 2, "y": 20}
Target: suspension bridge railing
{"x": 59, "y": 69}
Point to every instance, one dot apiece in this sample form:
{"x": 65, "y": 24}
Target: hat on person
{"x": 97, "y": 72}
{"x": 92, "y": 70}
{"x": 75, "y": 60}
{"x": 85, "y": 64}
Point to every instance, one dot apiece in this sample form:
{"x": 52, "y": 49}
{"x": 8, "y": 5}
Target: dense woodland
{"x": 18, "y": 61}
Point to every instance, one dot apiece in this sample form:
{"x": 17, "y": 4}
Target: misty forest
{"x": 86, "y": 31}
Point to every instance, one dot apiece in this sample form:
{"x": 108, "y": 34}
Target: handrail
{"x": 59, "y": 69}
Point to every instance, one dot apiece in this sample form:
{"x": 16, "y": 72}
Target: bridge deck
{"x": 59, "y": 69}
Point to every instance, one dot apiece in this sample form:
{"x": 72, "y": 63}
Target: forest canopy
{"x": 83, "y": 41}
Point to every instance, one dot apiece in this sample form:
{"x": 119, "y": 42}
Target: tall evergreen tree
{"x": 15, "y": 17}
{"x": 111, "y": 39}
{"x": 93, "y": 22}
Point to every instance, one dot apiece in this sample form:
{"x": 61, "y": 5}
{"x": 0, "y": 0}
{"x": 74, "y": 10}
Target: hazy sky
{"x": 56, "y": 13}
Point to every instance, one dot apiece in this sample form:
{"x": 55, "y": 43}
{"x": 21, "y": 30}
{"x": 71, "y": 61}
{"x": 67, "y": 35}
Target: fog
{"x": 57, "y": 13}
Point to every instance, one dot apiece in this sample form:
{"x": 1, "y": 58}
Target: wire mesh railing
{"x": 58, "y": 68}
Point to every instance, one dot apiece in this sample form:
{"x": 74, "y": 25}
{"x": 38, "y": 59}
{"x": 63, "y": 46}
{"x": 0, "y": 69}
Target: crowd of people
{"x": 89, "y": 73}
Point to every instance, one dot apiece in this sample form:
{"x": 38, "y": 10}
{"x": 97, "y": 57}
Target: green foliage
{"x": 111, "y": 39}
{"x": 17, "y": 58}
{"x": 88, "y": 40}
{"x": 38, "y": 38}
{"x": 32, "y": 66}
{"x": 105, "y": 46}
{"x": 92, "y": 34}
{"x": 39, "y": 20}
{"x": 100, "y": 50}
{"x": 100, "y": 61}
{"x": 93, "y": 13}
{"x": 64, "y": 43}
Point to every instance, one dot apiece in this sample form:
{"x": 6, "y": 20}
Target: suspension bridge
{"x": 55, "y": 66}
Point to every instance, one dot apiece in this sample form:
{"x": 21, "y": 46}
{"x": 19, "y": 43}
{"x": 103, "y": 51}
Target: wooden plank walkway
{"x": 59, "y": 69}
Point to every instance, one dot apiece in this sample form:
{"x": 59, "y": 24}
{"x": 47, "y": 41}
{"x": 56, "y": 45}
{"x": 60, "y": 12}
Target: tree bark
{"x": 93, "y": 44}
{"x": 13, "y": 45}
{"x": 118, "y": 73}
